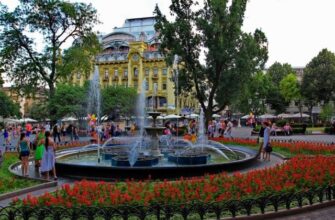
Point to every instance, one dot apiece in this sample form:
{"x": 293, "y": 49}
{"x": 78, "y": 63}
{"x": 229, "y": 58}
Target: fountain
{"x": 150, "y": 153}
{"x": 154, "y": 132}
{"x": 94, "y": 105}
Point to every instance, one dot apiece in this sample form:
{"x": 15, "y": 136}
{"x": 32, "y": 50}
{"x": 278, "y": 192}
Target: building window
{"x": 147, "y": 71}
{"x": 106, "y": 75}
{"x": 164, "y": 86}
{"x": 78, "y": 75}
{"x": 146, "y": 85}
{"x": 116, "y": 72}
{"x": 155, "y": 72}
{"x": 135, "y": 72}
{"x": 125, "y": 73}
{"x": 164, "y": 72}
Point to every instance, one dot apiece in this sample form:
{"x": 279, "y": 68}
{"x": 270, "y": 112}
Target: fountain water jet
{"x": 94, "y": 103}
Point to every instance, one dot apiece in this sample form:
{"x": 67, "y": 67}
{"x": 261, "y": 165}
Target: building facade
{"x": 131, "y": 57}
{"x": 25, "y": 101}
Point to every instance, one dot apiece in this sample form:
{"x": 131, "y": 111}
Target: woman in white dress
{"x": 48, "y": 159}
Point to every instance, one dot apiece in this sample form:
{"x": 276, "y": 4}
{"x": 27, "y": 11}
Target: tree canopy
{"x": 277, "y": 73}
{"x": 254, "y": 94}
{"x": 118, "y": 101}
{"x": 68, "y": 100}
{"x": 40, "y": 23}
{"x": 319, "y": 77}
{"x": 231, "y": 55}
{"x": 290, "y": 88}
{"x": 7, "y": 106}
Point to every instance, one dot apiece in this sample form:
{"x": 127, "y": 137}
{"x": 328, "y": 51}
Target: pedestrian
{"x": 229, "y": 128}
{"x": 24, "y": 151}
{"x": 56, "y": 133}
{"x": 6, "y": 137}
{"x": 260, "y": 140}
{"x": 267, "y": 148}
{"x": 39, "y": 141}
{"x": 75, "y": 133}
{"x": 48, "y": 159}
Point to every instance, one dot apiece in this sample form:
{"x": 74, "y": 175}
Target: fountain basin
{"x": 189, "y": 159}
{"x": 73, "y": 166}
{"x": 120, "y": 161}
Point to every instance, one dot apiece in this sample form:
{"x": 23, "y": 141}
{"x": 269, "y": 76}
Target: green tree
{"x": 231, "y": 54}
{"x": 254, "y": 94}
{"x": 79, "y": 57}
{"x": 318, "y": 83}
{"x": 118, "y": 101}
{"x": 327, "y": 112}
{"x": 68, "y": 100}
{"x": 7, "y": 106}
{"x": 290, "y": 89}
{"x": 277, "y": 73}
{"x": 39, "y": 111}
{"x": 55, "y": 23}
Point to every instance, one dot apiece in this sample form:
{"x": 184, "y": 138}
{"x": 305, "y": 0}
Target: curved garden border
{"x": 45, "y": 184}
{"x": 293, "y": 203}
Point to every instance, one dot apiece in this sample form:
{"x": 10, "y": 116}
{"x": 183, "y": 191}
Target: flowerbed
{"x": 8, "y": 181}
{"x": 299, "y": 174}
{"x": 296, "y": 147}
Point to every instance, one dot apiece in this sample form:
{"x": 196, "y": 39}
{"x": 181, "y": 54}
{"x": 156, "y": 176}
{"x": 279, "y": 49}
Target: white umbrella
{"x": 303, "y": 115}
{"x": 69, "y": 119}
{"x": 283, "y": 115}
{"x": 267, "y": 116}
{"x": 192, "y": 116}
{"x": 27, "y": 120}
{"x": 104, "y": 118}
{"x": 159, "y": 117}
{"x": 11, "y": 120}
{"x": 216, "y": 116}
{"x": 245, "y": 117}
{"x": 172, "y": 116}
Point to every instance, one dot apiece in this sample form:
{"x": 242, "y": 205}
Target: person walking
{"x": 24, "y": 151}
{"x": 267, "y": 148}
{"x": 56, "y": 133}
{"x": 48, "y": 159}
{"x": 260, "y": 140}
{"x": 229, "y": 129}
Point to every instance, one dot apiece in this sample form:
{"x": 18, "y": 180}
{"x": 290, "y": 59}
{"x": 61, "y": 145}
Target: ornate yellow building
{"x": 130, "y": 56}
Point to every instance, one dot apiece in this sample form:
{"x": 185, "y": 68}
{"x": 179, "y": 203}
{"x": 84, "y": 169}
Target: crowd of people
{"x": 38, "y": 141}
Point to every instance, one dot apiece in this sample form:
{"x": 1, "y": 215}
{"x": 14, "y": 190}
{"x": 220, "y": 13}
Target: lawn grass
{"x": 8, "y": 181}
{"x": 310, "y": 129}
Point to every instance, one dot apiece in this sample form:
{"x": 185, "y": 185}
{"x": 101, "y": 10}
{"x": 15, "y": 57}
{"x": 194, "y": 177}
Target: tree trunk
{"x": 208, "y": 116}
{"x": 310, "y": 110}
{"x": 52, "y": 110}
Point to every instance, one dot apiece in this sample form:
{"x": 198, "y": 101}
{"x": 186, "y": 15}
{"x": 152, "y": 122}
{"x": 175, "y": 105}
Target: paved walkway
{"x": 320, "y": 214}
{"x": 245, "y": 132}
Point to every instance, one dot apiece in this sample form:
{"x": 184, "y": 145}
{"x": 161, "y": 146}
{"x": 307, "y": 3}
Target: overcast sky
{"x": 296, "y": 29}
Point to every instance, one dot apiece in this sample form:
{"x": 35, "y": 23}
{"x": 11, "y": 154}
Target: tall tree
{"x": 318, "y": 83}
{"x": 35, "y": 22}
{"x": 277, "y": 73}
{"x": 231, "y": 54}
